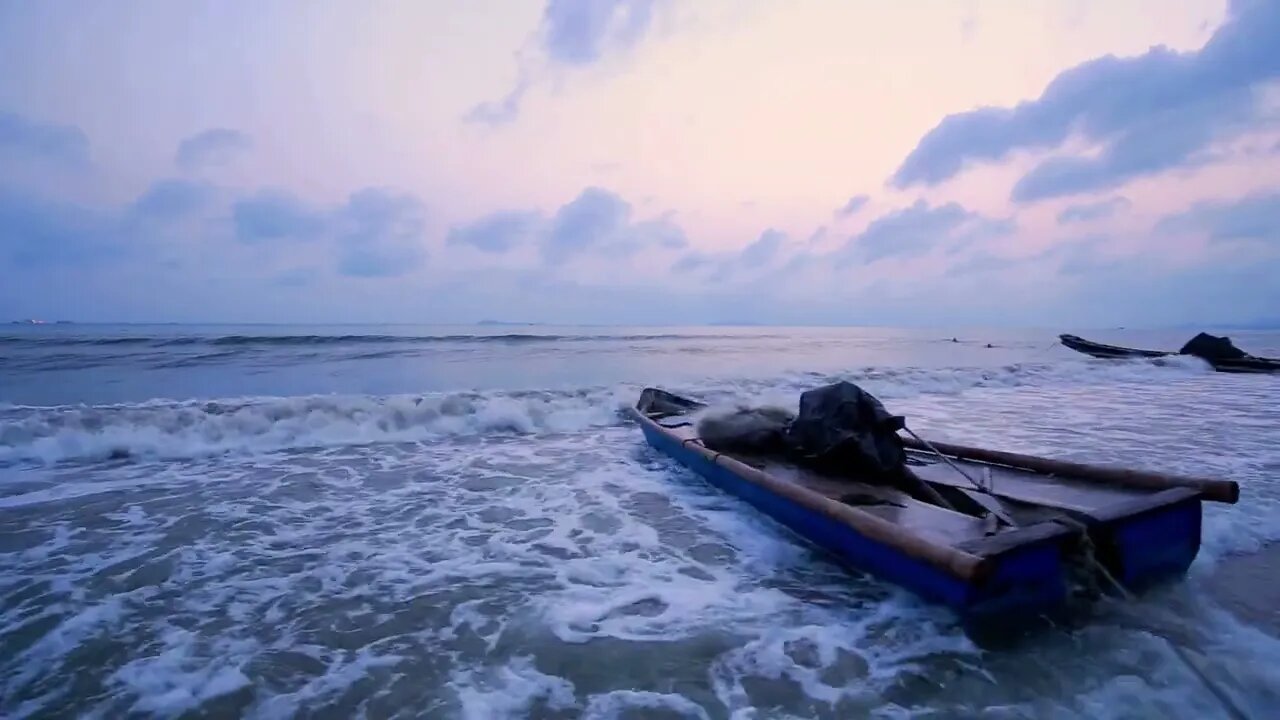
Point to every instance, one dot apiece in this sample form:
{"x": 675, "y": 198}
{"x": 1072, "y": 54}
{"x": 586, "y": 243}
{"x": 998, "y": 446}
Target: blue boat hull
{"x": 1151, "y": 545}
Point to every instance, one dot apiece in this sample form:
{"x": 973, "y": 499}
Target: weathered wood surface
{"x": 1226, "y": 491}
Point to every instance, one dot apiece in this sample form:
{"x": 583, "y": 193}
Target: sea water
{"x": 268, "y": 521}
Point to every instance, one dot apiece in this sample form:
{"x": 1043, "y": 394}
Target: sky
{"x": 1072, "y": 163}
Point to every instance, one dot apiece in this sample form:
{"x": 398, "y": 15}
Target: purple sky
{"x": 1050, "y": 163}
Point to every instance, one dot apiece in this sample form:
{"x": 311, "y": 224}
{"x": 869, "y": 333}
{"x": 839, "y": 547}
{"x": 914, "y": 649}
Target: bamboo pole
{"x": 1224, "y": 491}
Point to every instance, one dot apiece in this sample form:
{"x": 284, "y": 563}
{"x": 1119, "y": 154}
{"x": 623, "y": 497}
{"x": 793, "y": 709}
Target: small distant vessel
{"x": 1218, "y": 352}
{"x": 1007, "y": 550}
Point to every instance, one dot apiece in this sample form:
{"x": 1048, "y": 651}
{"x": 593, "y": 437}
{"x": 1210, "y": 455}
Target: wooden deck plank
{"x": 938, "y": 524}
{"x": 1033, "y": 488}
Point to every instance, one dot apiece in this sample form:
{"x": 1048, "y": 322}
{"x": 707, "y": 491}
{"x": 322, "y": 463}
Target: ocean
{"x": 461, "y": 522}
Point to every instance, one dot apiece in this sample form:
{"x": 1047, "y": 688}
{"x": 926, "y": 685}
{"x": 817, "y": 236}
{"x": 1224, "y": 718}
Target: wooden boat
{"x": 1143, "y": 527}
{"x": 1099, "y": 350}
{"x": 1246, "y": 364}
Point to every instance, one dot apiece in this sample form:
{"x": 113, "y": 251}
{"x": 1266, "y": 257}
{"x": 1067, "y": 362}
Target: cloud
{"x": 498, "y": 232}
{"x": 572, "y": 33}
{"x": 916, "y": 230}
{"x": 216, "y": 146}
{"x": 980, "y": 263}
{"x": 1158, "y": 142}
{"x": 719, "y": 267}
{"x": 38, "y": 231}
{"x": 690, "y": 262}
{"x": 60, "y": 144}
{"x": 599, "y": 220}
{"x": 1068, "y": 257}
{"x": 35, "y": 232}
{"x": 380, "y": 233}
{"x": 660, "y": 232}
{"x": 1226, "y": 289}
{"x": 1146, "y": 113}
{"x": 502, "y": 111}
{"x": 764, "y": 249}
{"x": 1088, "y": 212}
{"x": 1081, "y": 256}
{"x": 1255, "y": 217}
{"x": 274, "y": 215}
{"x": 856, "y": 203}
{"x": 577, "y": 32}
{"x": 172, "y": 199}
{"x": 594, "y": 217}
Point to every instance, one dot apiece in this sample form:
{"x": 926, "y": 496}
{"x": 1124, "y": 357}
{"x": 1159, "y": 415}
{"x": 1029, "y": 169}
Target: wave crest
{"x": 188, "y": 429}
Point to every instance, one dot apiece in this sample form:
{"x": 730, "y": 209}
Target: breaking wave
{"x": 180, "y": 429}
{"x": 185, "y": 429}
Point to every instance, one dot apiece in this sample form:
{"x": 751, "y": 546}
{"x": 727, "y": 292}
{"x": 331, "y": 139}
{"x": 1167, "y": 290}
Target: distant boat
{"x": 1218, "y": 352}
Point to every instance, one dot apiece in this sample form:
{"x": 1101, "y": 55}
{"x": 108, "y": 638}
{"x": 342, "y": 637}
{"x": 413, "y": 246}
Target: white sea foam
{"x": 175, "y": 680}
{"x": 190, "y": 429}
{"x": 623, "y": 703}
{"x": 165, "y": 429}
{"x": 510, "y": 691}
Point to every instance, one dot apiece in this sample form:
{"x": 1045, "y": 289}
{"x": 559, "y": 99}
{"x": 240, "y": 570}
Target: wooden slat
{"x": 1031, "y": 488}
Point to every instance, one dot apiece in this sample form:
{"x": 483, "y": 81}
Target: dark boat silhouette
{"x": 1218, "y": 352}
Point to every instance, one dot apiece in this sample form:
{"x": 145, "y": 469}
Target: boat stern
{"x": 1150, "y": 540}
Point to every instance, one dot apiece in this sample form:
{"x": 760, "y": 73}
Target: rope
{"x": 1232, "y": 709}
{"x": 991, "y": 506}
{"x": 1043, "y": 351}
{"x": 947, "y": 460}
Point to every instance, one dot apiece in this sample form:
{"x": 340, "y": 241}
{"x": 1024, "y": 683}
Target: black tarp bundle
{"x": 1212, "y": 347}
{"x": 840, "y": 427}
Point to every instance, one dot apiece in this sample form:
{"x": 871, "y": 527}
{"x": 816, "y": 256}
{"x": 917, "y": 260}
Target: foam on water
{"x": 511, "y": 691}
{"x": 168, "y": 429}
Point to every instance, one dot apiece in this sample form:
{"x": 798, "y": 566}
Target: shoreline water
{"x": 1244, "y": 583}
{"x": 474, "y": 530}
